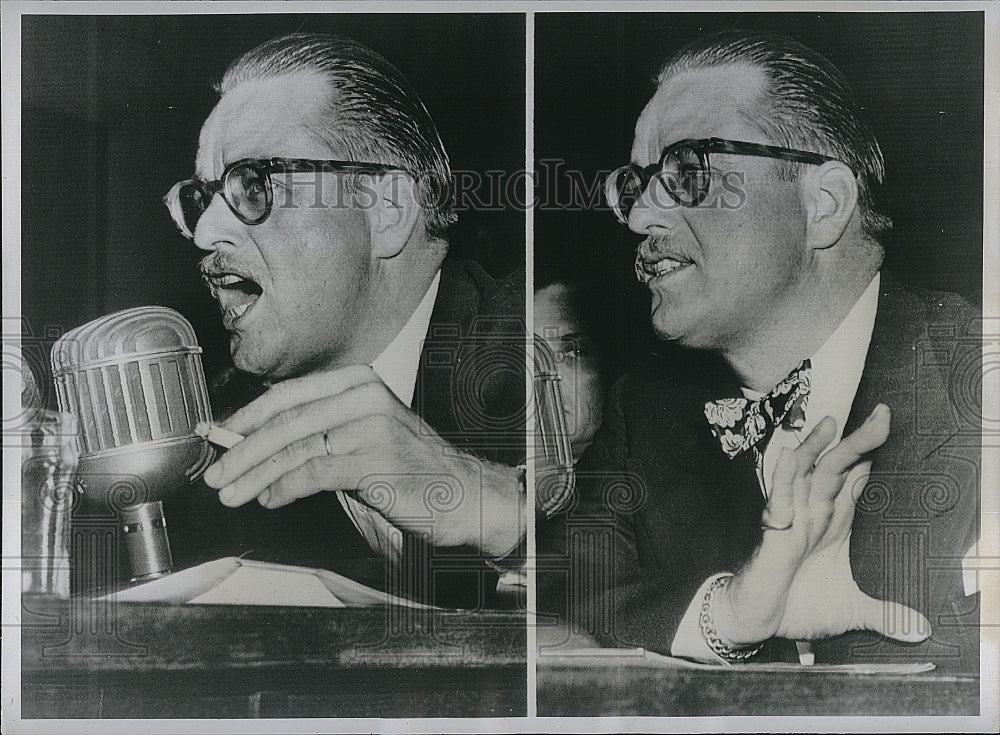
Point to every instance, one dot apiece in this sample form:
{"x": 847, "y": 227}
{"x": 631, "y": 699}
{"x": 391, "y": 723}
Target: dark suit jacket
{"x": 660, "y": 508}
{"x": 469, "y": 389}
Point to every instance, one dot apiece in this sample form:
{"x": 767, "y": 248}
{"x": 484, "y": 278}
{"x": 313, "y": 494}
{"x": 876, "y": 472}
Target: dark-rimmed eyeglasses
{"x": 247, "y": 189}
{"x": 685, "y": 171}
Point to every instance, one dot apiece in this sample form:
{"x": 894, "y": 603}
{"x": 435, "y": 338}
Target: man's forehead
{"x": 261, "y": 118}
{"x": 697, "y": 103}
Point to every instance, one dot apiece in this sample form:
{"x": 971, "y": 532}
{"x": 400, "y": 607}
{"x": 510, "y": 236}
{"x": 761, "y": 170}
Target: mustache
{"x": 219, "y": 263}
{"x": 654, "y": 244}
{"x": 660, "y": 246}
{"x": 210, "y": 263}
{"x": 215, "y": 265}
{"x": 207, "y": 264}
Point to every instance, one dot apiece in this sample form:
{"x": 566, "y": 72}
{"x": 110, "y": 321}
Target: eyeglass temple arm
{"x": 310, "y": 165}
{"x": 719, "y": 145}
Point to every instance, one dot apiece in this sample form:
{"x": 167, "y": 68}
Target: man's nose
{"x": 218, "y": 228}
{"x": 654, "y": 212}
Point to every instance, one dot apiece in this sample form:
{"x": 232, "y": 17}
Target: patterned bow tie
{"x": 741, "y": 424}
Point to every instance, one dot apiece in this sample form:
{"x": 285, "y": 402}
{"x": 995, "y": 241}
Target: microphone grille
{"x": 131, "y": 377}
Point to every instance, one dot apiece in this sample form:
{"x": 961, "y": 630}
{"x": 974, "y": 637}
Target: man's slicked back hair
{"x": 372, "y": 113}
{"x": 807, "y": 104}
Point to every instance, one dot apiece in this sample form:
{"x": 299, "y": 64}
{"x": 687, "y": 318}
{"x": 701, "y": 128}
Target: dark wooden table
{"x": 634, "y": 688}
{"x": 89, "y": 659}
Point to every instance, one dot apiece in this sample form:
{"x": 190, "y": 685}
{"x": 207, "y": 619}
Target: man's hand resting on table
{"x": 799, "y": 583}
{"x": 344, "y": 430}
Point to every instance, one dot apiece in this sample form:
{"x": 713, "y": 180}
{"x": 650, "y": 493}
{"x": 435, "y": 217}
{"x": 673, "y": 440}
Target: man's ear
{"x": 393, "y": 211}
{"x": 831, "y": 198}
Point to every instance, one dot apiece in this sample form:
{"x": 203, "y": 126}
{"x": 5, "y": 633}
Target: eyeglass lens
{"x": 248, "y": 192}
{"x": 245, "y": 189}
{"x": 627, "y": 188}
{"x": 684, "y": 174}
{"x": 194, "y": 199}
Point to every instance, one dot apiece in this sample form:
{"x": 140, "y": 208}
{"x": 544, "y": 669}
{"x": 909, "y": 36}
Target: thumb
{"x": 893, "y": 620}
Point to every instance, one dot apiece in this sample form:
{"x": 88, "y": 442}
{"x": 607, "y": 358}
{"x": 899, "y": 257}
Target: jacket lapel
{"x": 456, "y": 305}
{"x": 890, "y": 377}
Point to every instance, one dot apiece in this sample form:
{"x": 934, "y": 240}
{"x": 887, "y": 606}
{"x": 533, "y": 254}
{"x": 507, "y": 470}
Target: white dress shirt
{"x": 834, "y": 378}
{"x": 397, "y": 367}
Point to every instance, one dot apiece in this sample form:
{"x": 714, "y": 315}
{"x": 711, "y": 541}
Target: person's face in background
{"x": 559, "y": 323}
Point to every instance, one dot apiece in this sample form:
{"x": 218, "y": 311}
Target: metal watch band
{"x": 723, "y": 649}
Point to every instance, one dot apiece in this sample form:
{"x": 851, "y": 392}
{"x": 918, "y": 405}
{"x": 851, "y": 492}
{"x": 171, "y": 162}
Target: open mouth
{"x": 235, "y": 293}
{"x": 646, "y": 270}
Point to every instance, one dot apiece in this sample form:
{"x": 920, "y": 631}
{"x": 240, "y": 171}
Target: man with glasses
{"x": 770, "y": 492}
{"x": 321, "y": 199}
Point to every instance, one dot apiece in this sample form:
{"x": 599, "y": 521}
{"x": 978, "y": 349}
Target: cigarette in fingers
{"x": 217, "y": 435}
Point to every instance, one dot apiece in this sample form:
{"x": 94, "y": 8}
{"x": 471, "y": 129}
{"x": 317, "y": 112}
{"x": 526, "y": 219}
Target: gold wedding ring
{"x": 326, "y": 443}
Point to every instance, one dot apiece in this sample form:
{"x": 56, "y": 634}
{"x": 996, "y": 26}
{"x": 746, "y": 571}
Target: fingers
{"x": 818, "y": 440}
{"x": 272, "y": 472}
{"x": 790, "y": 484}
{"x": 796, "y": 481}
{"x": 313, "y": 476}
{"x": 866, "y": 438}
{"x": 780, "y": 510}
{"x": 261, "y": 477}
{"x": 849, "y": 451}
{"x": 819, "y": 481}
{"x": 893, "y": 620}
{"x": 295, "y": 392}
{"x": 298, "y": 423}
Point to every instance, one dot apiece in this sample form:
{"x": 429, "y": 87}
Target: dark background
{"x": 112, "y": 106}
{"x": 111, "y": 110}
{"x": 918, "y": 78}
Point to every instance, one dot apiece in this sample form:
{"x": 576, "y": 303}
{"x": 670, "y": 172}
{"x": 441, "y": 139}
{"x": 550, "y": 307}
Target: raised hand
{"x": 799, "y": 584}
{"x": 344, "y": 430}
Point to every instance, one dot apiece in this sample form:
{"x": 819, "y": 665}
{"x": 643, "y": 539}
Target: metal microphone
{"x": 134, "y": 381}
{"x": 555, "y": 475}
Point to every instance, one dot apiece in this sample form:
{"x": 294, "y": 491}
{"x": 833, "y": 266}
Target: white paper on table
{"x": 250, "y": 585}
{"x": 233, "y": 581}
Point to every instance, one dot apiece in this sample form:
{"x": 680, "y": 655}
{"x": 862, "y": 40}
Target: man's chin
{"x": 669, "y": 330}
{"x": 250, "y": 361}
{"x": 271, "y": 369}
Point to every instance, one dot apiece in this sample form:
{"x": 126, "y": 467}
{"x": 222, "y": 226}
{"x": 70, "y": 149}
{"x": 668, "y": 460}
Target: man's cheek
{"x": 568, "y": 388}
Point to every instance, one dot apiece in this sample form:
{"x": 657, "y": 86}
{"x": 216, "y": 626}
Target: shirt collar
{"x": 838, "y": 364}
{"x": 398, "y": 364}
